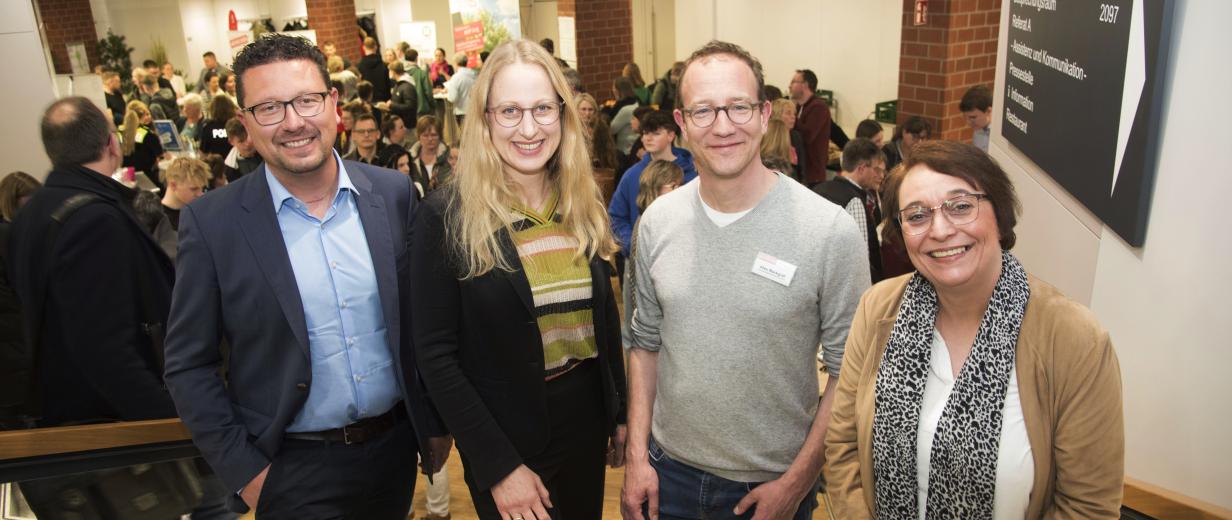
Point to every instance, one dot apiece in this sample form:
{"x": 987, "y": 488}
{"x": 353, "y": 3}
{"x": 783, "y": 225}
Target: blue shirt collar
{"x": 280, "y": 194}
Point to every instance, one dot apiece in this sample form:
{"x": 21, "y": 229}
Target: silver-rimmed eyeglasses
{"x": 273, "y": 112}
{"x": 961, "y": 210}
{"x": 703, "y": 116}
{"x": 510, "y": 115}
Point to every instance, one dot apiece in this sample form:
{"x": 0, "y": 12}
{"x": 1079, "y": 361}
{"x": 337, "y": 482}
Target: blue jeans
{"x": 688, "y": 493}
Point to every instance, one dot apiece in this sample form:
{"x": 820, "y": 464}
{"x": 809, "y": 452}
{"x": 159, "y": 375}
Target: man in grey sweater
{"x": 740, "y": 276}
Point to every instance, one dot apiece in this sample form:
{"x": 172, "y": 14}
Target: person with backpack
{"x": 94, "y": 290}
{"x": 97, "y": 337}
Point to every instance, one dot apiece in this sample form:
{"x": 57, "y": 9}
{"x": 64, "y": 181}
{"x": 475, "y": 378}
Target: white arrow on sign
{"x": 1135, "y": 81}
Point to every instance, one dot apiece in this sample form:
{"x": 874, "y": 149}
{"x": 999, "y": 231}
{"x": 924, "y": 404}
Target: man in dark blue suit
{"x": 313, "y": 408}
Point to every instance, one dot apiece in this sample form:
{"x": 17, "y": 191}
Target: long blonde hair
{"x": 133, "y": 113}
{"x": 777, "y": 141}
{"x": 485, "y": 193}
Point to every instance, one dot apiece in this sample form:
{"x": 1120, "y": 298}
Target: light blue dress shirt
{"x": 353, "y": 376}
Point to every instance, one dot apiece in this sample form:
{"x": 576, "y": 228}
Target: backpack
{"x": 20, "y": 401}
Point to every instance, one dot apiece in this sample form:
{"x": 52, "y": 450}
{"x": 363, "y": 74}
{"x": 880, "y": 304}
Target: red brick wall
{"x": 604, "y": 41}
{"x": 68, "y": 21}
{"x": 334, "y": 21}
{"x": 566, "y": 7}
{"x": 939, "y": 61}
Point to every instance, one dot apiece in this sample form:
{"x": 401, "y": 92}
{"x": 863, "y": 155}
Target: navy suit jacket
{"x": 234, "y": 284}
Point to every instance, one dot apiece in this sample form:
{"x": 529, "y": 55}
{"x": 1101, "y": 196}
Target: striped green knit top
{"x": 560, "y": 284}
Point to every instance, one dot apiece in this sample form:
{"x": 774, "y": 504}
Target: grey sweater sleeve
{"x": 844, "y": 278}
{"x": 648, "y": 315}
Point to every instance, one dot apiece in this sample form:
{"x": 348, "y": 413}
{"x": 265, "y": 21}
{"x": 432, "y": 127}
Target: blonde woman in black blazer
{"x": 534, "y": 430}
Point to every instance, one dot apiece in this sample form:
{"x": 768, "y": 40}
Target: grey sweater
{"x": 736, "y": 384}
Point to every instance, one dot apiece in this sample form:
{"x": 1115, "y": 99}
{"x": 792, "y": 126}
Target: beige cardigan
{"x": 1070, "y": 385}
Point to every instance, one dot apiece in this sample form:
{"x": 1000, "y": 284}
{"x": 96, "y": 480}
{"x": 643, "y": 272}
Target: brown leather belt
{"x": 359, "y": 431}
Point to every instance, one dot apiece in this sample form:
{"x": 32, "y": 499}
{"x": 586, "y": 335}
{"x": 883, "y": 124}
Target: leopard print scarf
{"x": 963, "y": 464}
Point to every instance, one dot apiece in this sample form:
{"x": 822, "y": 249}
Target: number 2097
{"x": 1108, "y": 13}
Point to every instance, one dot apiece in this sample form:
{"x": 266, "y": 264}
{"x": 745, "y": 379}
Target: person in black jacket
{"x": 104, "y": 285}
{"x": 404, "y": 102}
{"x": 374, "y": 71}
{"x": 855, "y": 188}
{"x": 515, "y": 324}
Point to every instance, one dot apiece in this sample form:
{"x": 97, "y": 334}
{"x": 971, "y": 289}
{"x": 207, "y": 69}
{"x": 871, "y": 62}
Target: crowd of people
{"x": 322, "y": 358}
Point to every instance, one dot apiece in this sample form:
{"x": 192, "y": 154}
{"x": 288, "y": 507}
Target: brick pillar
{"x": 954, "y": 51}
{"x": 65, "y": 22}
{"x": 604, "y": 40}
{"x": 334, "y": 21}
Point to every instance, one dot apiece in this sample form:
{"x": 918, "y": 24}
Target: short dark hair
{"x": 914, "y": 125}
{"x": 75, "y": 132}
{"x": 641, "y": 112}
{"x": 208, "y": 54}
{"x": 235, "y": 128}
{"x": 149, "y": 64}
{"x": 810, "y": 78}
{"x": 273, "y": 48}
{"x": 772, "y": 92}
{"x": 858, "y": 152}
{"x": 387, "y": 123}
{"x": 365, "y": 116}
{"x": 868, "y": 128}
{"x": 657, "y": 120}
{"x": 716, "y": 47}
{"x": 548, "y": 45}
{"x": 363, "y": 90}
{"x": 976, "y": 98}
{"x": 411, "y": 54}
{"x": 968, "y": 163}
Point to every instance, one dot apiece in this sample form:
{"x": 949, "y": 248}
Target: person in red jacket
{"x": 813, "y": 123}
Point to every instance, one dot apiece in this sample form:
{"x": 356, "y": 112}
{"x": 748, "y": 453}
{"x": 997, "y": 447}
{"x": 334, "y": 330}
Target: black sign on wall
{"x": 1083, "y": 87}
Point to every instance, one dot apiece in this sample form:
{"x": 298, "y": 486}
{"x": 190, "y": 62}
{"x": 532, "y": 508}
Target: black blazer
{"x": 106, "y": 278}
{"x": 235, "y": 282}
{"x": 481, "y": 352}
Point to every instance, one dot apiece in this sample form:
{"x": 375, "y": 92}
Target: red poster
{"x": 232, "y": 23}
{"x": 468, "y": 37}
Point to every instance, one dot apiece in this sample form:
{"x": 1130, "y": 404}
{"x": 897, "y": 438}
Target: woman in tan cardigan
{"x": 971, "y": 389}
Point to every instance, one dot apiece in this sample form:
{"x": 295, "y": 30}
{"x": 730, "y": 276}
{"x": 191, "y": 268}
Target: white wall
{"x": 1165, "y": 304}
{"x": 861, "y": 42}
{"x": 435, "y": 11}
{"x": 540, "y": 20}
{"x": 25, "y": 58}
{"x": 852, "y": 46}
{"x": 654, "y": 37}
{"x": 142, "y": 22}
{"x": 390, "y": 15}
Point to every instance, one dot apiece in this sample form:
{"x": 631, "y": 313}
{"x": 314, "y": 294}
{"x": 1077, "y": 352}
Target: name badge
{"x": 773, "y": 269}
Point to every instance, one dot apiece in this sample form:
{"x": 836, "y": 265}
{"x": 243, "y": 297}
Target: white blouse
{"x": 1015, "y": 467}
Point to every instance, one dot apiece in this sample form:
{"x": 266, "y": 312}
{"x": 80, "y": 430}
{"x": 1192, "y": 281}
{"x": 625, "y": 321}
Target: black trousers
{"x": 319, "y": 480}
{"x": 572, "y": 466}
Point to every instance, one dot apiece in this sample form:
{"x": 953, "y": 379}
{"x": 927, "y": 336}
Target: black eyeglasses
{"x": 961, "y": 210}
{"x": 738, "y": 113}
{"x": 273, "y": 112}
{"x": 510, "y": 115}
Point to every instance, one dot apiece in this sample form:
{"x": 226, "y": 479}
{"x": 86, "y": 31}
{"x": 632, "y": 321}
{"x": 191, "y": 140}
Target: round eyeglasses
{"x": 273, "y": 112}
{"x": 510, "y": 115}
{"x": 960, "y": 210}
{"x": 703, "y": 116}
